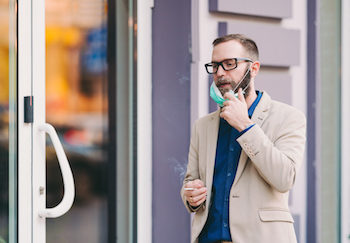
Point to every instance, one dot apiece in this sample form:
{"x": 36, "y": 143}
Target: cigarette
{"x": 189, "y": 188}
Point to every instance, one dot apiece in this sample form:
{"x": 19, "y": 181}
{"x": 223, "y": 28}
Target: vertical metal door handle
{"x": 68, "y": 181}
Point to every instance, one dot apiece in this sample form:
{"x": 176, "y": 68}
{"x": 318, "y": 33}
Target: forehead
{"x": 228, "y": 49}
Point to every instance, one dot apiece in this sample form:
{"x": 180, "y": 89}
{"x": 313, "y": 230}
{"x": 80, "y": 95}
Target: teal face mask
{"x": 216, "y": 95}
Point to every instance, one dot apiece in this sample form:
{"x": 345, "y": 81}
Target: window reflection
{"x": 4, "y": 121}
{"x": 76, "y": 104}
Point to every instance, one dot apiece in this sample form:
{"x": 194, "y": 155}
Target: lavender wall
{"x": 171, "y": 117}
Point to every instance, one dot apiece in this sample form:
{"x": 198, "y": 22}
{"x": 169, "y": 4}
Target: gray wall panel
{"x": 278, "y": 46}
{"x": 267, "y": 8}
{"x": 222, "y": 28}
{"x": 277, "y": 84}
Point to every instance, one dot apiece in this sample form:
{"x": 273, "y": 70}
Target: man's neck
{"x": 250, "y": 98}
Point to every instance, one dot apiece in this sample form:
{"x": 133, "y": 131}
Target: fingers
{"x": 201, "y": 201}
{"x": 228, "y": 102}
{"x": 229, "y": 96}
{"x": 196, "y": 201}
{"x": 197, "y": 197}
{"x": 195, "y": 184}
{"x": 223, "y": 114}
{"x": 226, "y": 109}
{"x": 195, "y": 192}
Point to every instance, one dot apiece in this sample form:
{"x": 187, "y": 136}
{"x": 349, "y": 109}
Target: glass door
{"x": 73, "y": 185}
{"x": 8, "y": 122}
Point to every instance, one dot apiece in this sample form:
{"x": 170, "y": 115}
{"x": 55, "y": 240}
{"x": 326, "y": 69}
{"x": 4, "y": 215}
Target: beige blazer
{"x": 272, "y": 152}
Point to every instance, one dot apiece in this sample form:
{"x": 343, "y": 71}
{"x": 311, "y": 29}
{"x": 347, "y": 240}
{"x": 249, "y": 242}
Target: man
{"x": 244, "y": 157}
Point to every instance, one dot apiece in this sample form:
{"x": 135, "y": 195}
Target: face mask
{"x": 216, "y": 95}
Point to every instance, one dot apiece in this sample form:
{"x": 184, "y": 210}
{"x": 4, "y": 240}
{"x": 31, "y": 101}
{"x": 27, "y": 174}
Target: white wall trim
{"x": 144, "y": 122}
{"x": 345, "y": 126}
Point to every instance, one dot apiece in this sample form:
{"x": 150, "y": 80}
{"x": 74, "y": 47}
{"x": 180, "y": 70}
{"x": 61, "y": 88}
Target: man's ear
{"x": 254, "y": 69}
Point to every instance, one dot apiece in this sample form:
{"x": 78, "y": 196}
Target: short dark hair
{"x": 248, "y": 44}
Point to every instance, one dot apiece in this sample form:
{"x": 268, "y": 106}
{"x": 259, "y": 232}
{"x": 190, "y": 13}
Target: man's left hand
{"x": 235, "y": 111}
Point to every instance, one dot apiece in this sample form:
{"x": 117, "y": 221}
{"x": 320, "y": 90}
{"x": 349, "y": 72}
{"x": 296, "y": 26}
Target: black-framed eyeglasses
{"x": 227, "y": 64}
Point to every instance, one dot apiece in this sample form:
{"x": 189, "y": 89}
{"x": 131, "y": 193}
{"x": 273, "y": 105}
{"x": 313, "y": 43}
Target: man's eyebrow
{"x": 219, "y": 60}
{"x": 225, "y": 59}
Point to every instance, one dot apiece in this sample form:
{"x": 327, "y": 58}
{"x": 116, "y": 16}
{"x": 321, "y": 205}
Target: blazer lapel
{"x": 259, "y": 115}
{"x": 212, "y": 137}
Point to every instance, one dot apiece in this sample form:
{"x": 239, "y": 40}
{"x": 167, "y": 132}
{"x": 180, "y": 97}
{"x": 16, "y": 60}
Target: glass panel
{"x": 8, "y": 122}
{"x": 77, "y": 106}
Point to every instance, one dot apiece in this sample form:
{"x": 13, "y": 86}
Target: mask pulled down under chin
{"x": 216, "y": 95}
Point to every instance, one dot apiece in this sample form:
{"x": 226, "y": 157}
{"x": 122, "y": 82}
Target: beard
{"x": 244, "y": 85}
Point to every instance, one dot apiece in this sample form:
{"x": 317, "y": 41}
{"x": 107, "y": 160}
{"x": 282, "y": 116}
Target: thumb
{"x": 240, "y": 95}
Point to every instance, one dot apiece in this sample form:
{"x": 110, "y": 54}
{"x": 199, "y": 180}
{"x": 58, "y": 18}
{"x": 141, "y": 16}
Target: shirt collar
{"x": 255, "y": 103}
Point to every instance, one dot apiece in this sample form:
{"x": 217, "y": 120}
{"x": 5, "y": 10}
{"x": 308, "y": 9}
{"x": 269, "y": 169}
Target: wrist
{"x": 245, "y": 125}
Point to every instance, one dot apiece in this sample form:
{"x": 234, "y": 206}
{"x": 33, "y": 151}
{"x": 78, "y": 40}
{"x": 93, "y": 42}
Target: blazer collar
{"x": 261, "y": 110}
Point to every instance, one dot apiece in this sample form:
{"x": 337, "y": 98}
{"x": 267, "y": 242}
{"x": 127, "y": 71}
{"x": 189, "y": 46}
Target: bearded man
{"x": 243, "y": 158}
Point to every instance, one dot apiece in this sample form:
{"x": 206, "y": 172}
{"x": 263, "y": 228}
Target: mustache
{"x": 221, "y": 81}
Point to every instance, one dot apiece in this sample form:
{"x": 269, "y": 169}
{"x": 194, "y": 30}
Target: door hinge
{"x": 28, "y": 109}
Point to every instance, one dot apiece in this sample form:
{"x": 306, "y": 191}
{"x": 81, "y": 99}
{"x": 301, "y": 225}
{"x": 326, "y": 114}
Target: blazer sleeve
{"x": 277, "y": 161}
{"x": 192, "y": 172}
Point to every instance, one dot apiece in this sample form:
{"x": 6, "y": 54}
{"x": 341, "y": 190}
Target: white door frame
{"x": 24, "y": 130}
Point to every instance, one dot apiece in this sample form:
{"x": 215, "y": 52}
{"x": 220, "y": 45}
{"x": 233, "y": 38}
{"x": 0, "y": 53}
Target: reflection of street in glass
{"x": 4, "y": 122}
{"x": 76, "y": 105}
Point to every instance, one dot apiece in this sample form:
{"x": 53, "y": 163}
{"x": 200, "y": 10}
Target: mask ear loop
{"x": 246, "y": 73}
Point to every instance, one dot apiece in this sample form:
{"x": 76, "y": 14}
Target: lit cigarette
{"x": 189, "y": 188}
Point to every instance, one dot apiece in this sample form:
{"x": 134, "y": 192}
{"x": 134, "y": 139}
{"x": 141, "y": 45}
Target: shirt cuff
{"x": 245, "y": 130}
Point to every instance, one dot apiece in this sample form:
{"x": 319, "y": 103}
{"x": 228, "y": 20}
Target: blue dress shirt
{"x": 228, "y": 152}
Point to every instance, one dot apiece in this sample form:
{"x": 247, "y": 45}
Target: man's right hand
{"x": 196, "y": 196}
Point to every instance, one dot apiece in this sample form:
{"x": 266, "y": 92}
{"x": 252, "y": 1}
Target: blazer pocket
{"x": 271, "y": 215}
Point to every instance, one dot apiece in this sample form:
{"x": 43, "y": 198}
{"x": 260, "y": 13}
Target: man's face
{"x": 227, "y": 80}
